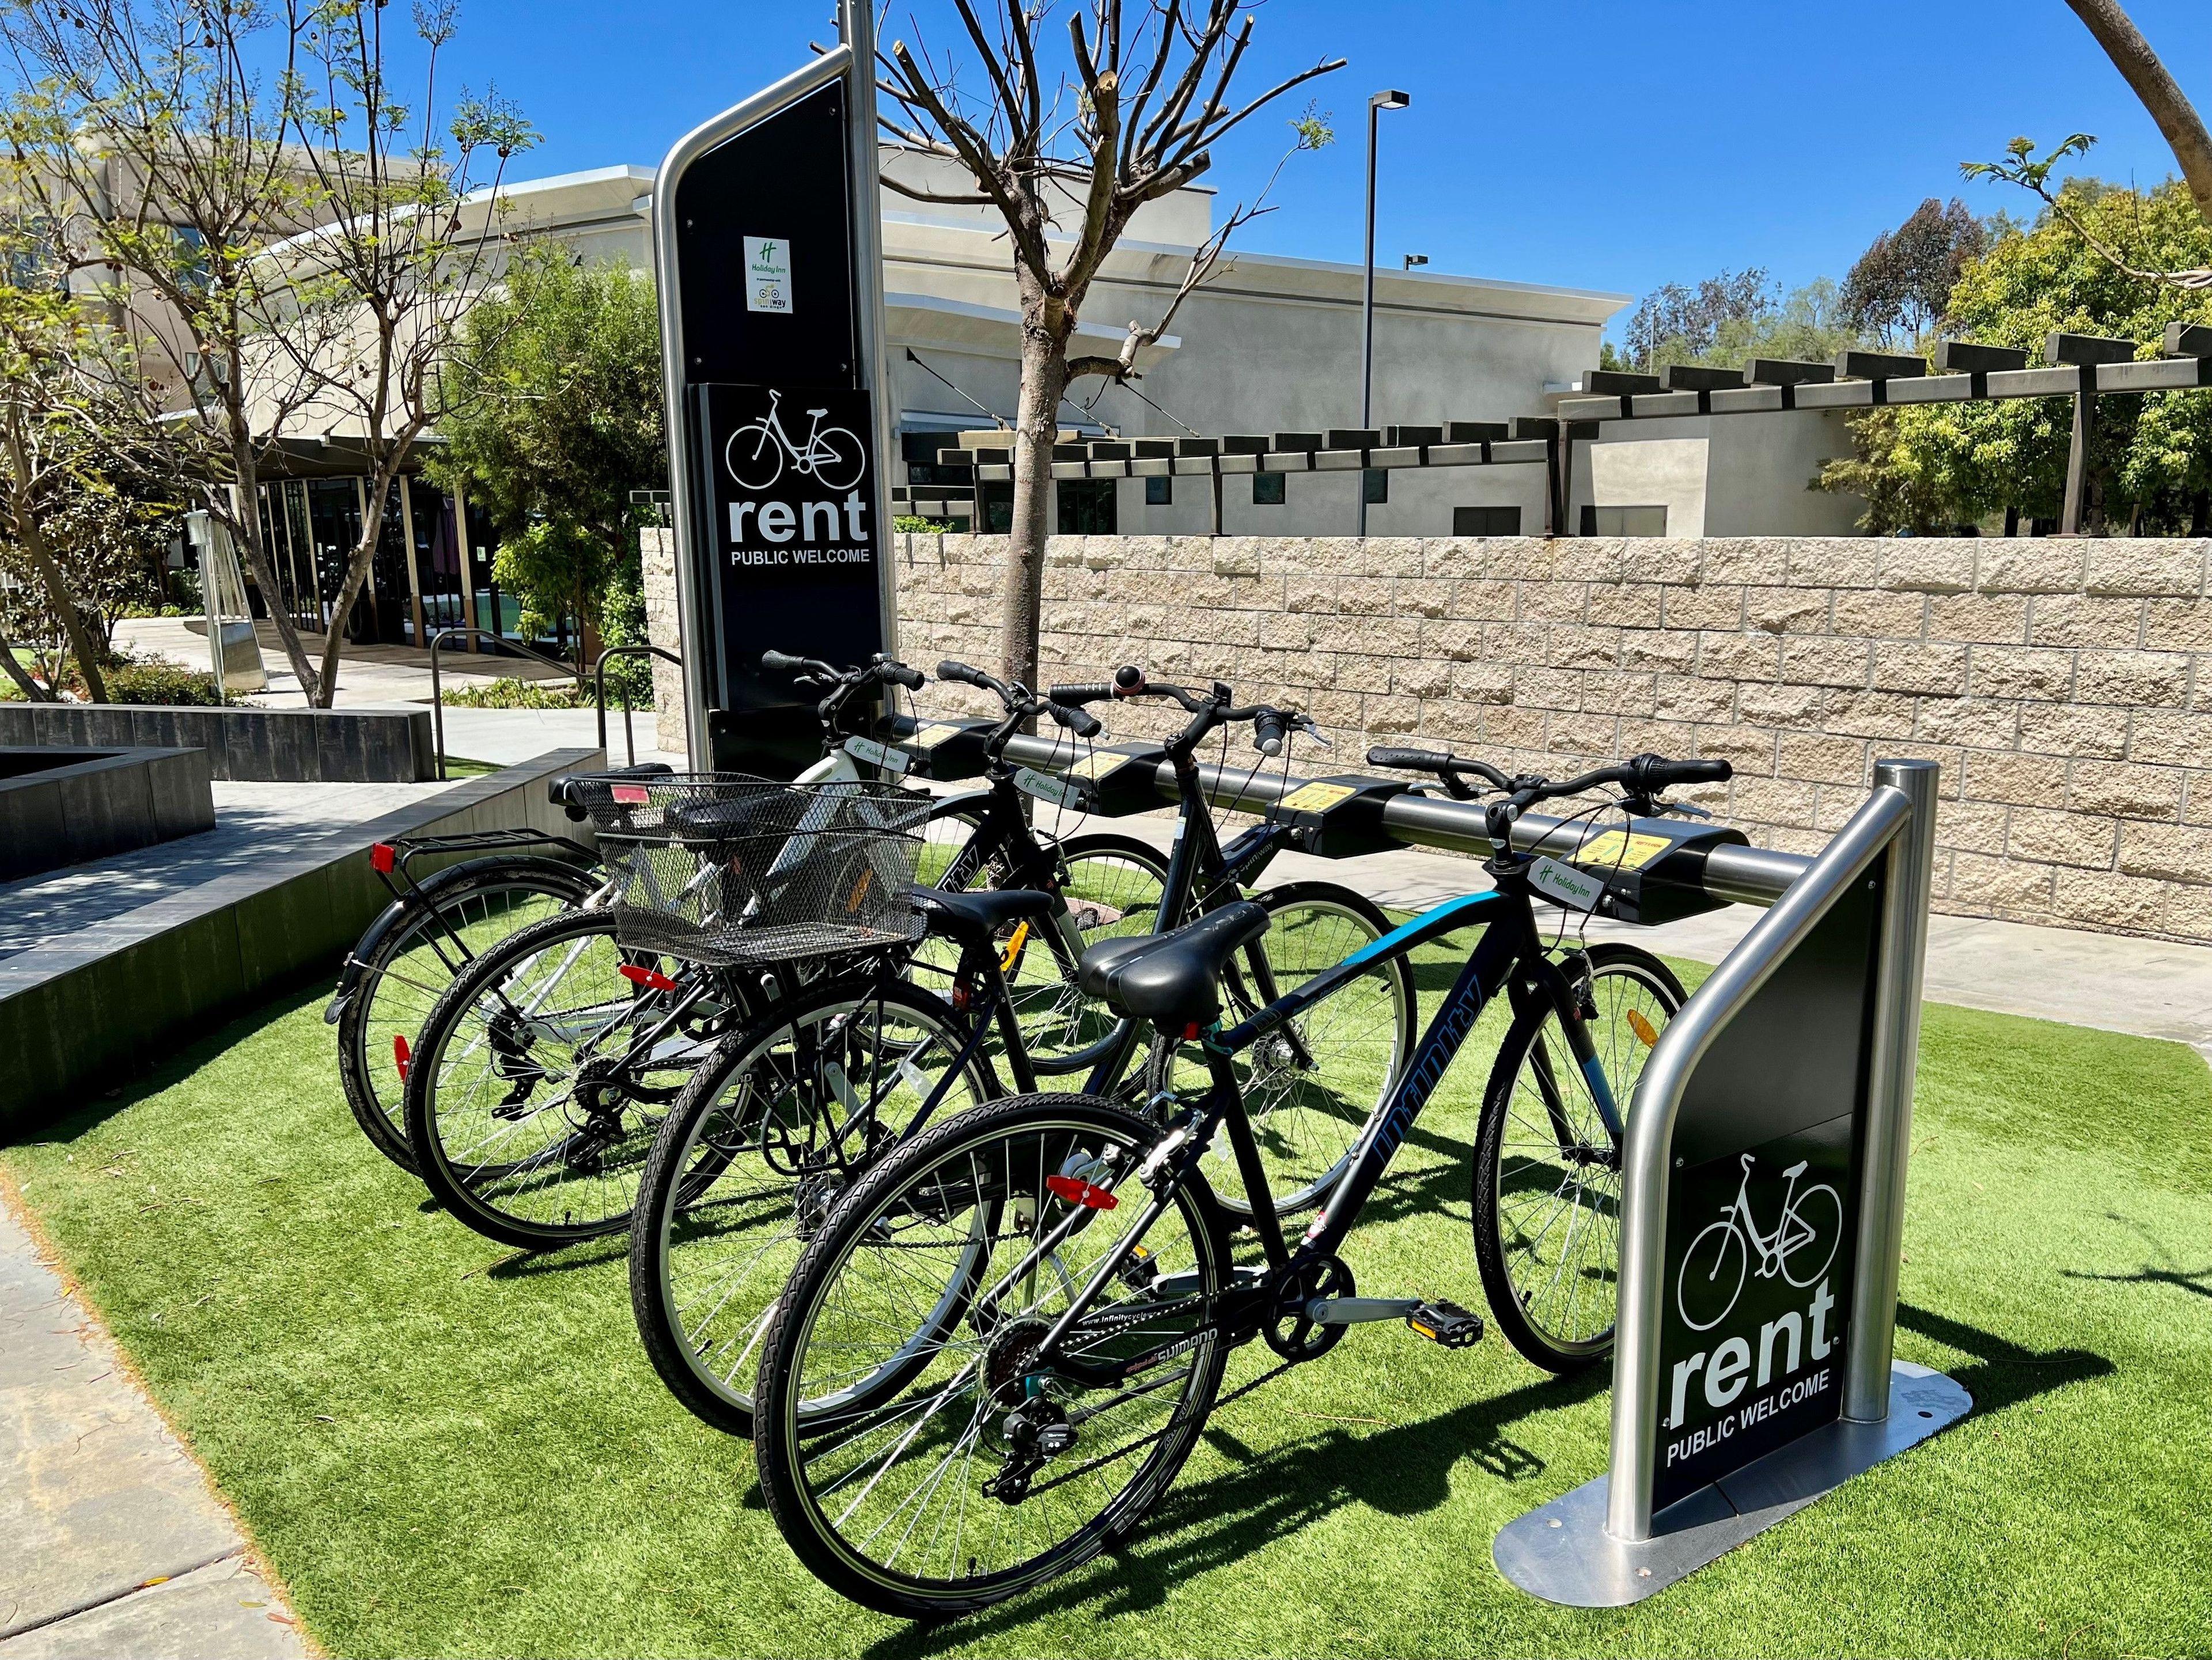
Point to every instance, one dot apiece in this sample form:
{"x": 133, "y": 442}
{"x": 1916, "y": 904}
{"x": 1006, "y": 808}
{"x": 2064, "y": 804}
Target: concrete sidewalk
{"x": 111, "y": 1541}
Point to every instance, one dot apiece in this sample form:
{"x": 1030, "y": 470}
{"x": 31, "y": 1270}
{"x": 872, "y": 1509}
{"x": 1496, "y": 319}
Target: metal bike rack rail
{"x": 1603, "y": 1545}
{"x": 630, "y": 725}
{"x": 438, "y": 690}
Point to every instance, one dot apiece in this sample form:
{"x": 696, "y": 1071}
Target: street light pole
{"x": 1376, "y": 104}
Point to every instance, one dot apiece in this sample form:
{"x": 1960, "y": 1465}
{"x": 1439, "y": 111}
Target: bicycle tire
{"x": 789, "y": 1443}
{"x": 487, "y": 1195}
{"x": 1070, "y": 1014}
{"x": 367, "y": 1025}
{"x": 678, "y": 1181}
{"x": 1510, "y": 1302}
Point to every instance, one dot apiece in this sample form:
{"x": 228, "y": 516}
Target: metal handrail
{"x": 629, "y": 730}
{"x": 437, "y": 689}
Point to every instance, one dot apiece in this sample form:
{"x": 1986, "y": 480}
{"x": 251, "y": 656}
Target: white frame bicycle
{"x": 771, "y": 443}
{"x": 1773, "y": 1252}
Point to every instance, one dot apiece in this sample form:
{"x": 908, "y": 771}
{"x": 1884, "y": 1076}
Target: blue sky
{"x": 1610, "y": 144}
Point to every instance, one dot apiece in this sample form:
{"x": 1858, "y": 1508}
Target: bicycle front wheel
{"x": 914, "y": 1450}
{"x": 463, "y": 911}
{"x": 784, "y": 1117}
{"x": 542, "y": 1075}
{"x": 1547, "y": 1172}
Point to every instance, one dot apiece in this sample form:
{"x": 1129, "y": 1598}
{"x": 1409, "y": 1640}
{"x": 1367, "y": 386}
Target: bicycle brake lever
{"x": 1687, "y": 809}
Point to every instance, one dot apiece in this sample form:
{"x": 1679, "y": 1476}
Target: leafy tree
{"x": 1897, "y": 289}
{"x": 552, "y": 417}
{"x": 1680, "y": 327}
{"x": 1927, "y": 465}
{"x": 1676, "y": 323}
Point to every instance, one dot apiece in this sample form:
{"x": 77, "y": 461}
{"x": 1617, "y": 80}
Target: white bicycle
{"x": 757, "y": 450}
{"x": 1715, "y": 1266}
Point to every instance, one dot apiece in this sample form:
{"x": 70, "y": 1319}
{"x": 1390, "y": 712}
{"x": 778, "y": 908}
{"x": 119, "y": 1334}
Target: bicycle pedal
{"x": 1446, "y": 1323}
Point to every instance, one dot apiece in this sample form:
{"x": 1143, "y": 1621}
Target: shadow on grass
{"x": 170, "y": 1071}
{"x": 1404, "y": 1471}
{"x": 2196, "y": 1283}
{"x": 2005, "y": 1373}
{"x": 589, "y": 1253}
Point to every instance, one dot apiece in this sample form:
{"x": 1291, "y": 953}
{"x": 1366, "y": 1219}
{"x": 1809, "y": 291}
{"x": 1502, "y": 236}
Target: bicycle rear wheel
{"x": 543, "y": 1075}
{"x": 409, "y": 957}
{"x": 912, "y": 1455}
{"x": 1547, "y": 1173}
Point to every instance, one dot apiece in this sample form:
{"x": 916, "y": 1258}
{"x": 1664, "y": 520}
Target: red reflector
{"x": 1190, "y": 1032}
{"x": 651, "y": 979}
{"x": 400, "y": 1055}
{"x": 1077, "y": 1191}
{"x": 632, "y": 795}
{"x": 382, "y": 856}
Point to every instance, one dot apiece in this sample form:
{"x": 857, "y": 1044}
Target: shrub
{"x": 507, "y": 692}
{"x": 155, "y": 681}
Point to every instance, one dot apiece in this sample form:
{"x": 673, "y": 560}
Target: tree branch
{"x": 2168, "y": 105}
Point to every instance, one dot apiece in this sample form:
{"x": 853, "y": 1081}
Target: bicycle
{"x": 833, "y": 457}
{"x": 438, "y": 923}
{"x": 1026, "y": 1311}
{"x": 1807, "y": 1220}
{"x": 778, "y": 1122}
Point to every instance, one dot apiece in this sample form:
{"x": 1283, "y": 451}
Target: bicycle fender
{"x": 394, "y": 916}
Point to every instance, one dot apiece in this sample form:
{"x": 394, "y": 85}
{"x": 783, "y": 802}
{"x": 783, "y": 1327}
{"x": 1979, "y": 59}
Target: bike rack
{"x": 629, "y": 727}
{"x": 437, "y": 689}
{"x": 1806, "y": 1036}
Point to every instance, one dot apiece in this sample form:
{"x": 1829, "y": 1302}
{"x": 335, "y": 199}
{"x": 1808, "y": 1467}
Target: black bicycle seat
{"x": 1172, "y": 980}
{"x": 981, "y": 914}
{"x": 769, "y": 813}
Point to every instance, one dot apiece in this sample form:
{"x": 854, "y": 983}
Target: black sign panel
{"x": 770, "y": 299}
{"x": 1762, "y": 1213}
{"x": 789, "y": 521}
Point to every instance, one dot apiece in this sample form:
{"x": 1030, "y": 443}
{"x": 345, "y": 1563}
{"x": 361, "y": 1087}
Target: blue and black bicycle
{"x": 1002, "y": 1347}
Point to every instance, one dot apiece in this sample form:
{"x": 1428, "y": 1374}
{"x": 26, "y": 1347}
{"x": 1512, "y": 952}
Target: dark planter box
{"x": 389, "y": 745}
{"x": 62, "y": 806}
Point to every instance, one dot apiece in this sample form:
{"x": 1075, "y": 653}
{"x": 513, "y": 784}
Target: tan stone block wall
{"x": 2066, "y": 687}
{"x": 663, "y": 628}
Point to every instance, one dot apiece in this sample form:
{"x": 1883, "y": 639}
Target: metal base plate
{"x": 1562, "y": 1553}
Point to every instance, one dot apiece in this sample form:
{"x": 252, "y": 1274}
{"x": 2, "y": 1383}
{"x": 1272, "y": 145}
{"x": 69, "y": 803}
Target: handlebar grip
{"x": 1087, "y": 691}
{"x": 1408, "y": 760}
{"x": 1268, "y": 729}
{"x": 1654, "y": 773}
{"x": 961, "y": 673}
{"x": 780, "y": 661}
{"x": 900, "y": 675}
{"x": 1083, "y": 725}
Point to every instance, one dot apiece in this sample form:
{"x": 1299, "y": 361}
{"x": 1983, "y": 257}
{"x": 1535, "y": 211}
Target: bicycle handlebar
{"x": 1019, "y": 704}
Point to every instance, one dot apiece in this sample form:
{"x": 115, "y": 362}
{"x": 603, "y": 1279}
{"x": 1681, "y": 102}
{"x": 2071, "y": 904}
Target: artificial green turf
{"x": 446, "y": 1449}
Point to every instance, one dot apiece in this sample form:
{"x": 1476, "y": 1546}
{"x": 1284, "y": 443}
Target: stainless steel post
{"x": 1888, "y": 1130}
{"x": 856, "y": 29}
{"x": 1648, "y": 1155}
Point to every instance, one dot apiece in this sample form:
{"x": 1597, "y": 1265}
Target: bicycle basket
{"x": 725, "y": 869}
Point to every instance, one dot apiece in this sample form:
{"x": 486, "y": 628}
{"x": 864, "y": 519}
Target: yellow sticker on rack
{"x": 930, "y": 737}
{"x": 1621, "y": 850}
{"x": 1317, "y": 798}
{"x": 1096, "y": 765}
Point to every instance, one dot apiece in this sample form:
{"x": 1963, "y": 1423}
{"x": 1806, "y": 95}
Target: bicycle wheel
{"x": 785, "y": 1114}
{"x": 754, "y": 456}
{"x": 542, "y": 1075}
{"x": 410, "y": 959}
{"x": 1112, "y": 886}
{"x": 1546, "y": 1174}
{"x": 1309, "y": 1087}
{"x": 911, "y": 1453}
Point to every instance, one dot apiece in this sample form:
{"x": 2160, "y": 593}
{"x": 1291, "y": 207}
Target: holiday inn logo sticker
{"x": 767, "y": 274}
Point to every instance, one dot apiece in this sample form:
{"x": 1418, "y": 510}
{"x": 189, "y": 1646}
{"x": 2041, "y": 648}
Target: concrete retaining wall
{"x": 2065, "y": 686}
{"x": 109, "y": 801}
{"x": 367, "y": 744}
{"x": 79, "y": 1013}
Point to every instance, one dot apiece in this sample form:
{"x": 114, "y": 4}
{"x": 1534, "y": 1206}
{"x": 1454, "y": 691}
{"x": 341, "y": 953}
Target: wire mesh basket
{"x": 726, "y": 869}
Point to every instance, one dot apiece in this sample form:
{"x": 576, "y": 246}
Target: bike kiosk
{"x": 1763, "y": 1183}
{"x": 767, "y": 232}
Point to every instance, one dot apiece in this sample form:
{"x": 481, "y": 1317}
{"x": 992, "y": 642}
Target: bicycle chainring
{"x": 1289, "y": 1332}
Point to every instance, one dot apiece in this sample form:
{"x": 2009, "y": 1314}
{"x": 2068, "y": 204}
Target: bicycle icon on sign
{"x": 757, "y": 450}
{"x": 1714, "y": 1266}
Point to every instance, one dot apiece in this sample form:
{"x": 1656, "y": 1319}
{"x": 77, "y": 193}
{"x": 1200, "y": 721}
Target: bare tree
{"x": 1132, "y": 117}
{"x": 146, "y": 125}
{"x": 2169, "y": 106}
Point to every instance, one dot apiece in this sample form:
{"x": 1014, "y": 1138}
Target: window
{"x": 192, "y": 268}
{"x": 1485, "y": 521}
{"x": 998, "y": 506}
{"x": 1086, "y": 507}
{"x": 1158, "y": 492}
{"x": 32, "y": 256}
{"x": 1376, "y": 482}
{"x": 1624, "y": 521}
{"x": 1267, "y": 488}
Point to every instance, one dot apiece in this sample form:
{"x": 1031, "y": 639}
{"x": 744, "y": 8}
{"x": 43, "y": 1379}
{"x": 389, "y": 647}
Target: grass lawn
{"x": 443, "y": 1448}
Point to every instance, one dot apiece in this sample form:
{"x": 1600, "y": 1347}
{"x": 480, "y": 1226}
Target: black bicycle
{"x": 790, "y": 1111}
{"x": 1002, "y": 1344}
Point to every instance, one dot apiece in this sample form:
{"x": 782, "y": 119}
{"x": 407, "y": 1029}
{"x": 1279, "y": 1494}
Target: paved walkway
{"x": 111, "y": 1541}
{"x": 367, "y": 674}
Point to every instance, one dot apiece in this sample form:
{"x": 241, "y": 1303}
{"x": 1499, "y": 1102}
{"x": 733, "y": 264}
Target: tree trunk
{"x": 357, "y": 569}
{"x": 254, "y": 547}
{"x": 31, "y": 536}
{"x": 2168, "y": 105}
{"x": 1036, "y": 425}
{"x": 32, "y": 691}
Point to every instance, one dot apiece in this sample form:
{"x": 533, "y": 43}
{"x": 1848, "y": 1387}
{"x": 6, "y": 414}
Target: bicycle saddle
{"x": 1172, "y": 980}
{"x": 563, "y": 792}
{"x": 980, "y": 916}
